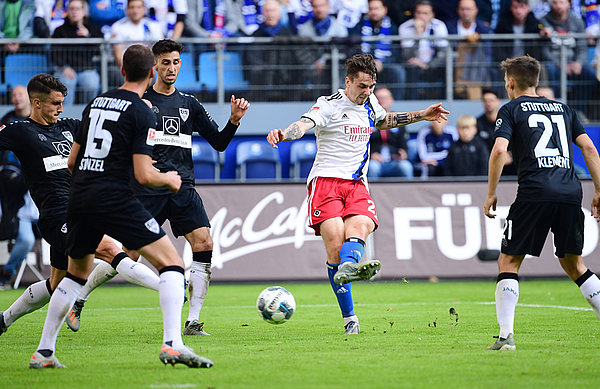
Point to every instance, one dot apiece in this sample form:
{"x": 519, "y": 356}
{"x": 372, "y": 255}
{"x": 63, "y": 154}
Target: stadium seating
{"x": 207, "y": 166}
{"x": 302, "y": 155}
{"x": 187, "y": 80}
{"x": 233, "y": 75}
{"x": 257, "y": 160}
{"x": 19, "y": 68}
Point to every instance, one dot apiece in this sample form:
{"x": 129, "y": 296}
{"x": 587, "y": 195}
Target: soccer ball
{"x": 276, "y": 305}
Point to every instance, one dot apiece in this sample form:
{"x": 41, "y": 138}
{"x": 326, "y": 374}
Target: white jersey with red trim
{"x": 343, "y": 130}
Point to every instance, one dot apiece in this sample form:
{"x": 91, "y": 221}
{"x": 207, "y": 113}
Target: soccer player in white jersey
{"x": 339, "y": 205}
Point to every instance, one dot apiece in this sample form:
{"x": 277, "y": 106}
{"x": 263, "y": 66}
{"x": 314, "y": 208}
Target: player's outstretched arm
{"x": 147, "y": 175}
{"x": 73, "y": 156}
{"x": 239, "y": 107}
{"x": 434, "y": 112}
{"x": 497, "y": 157}
{"x": 294, "y": 131}
{"x": 592, "y": 161}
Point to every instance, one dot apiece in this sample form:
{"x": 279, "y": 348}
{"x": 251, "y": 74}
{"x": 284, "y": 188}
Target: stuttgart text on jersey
{"x": 99, "y": 139}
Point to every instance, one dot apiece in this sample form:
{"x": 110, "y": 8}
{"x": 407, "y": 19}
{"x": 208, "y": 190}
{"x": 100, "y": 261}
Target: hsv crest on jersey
{"x": 68, "y": 135}
{"x": 170, "y": 125}
{"x": 152, "y": 226}
{"x": 184, "y": 113}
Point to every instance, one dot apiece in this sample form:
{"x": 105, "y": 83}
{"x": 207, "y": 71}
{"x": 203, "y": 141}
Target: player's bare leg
{"x": 114, "y": 261}
{"x": 162, "y": 255}
{"x": 507, "y": 296}
{"x": 588, "y": 282}
{"x": 332, "y": 232}
{"x": 34, "y": 297}
{"x": 200, "y": 272}
{"x": 59, "y": 306}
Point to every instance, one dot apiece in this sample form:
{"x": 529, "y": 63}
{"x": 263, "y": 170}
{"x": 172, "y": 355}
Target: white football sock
{"x": 507, "y": 296}
{"x": 102, "y": 273}
{"x": 591, "y": 291}
{"x": 138, "y": 273}
{"x": 60, "y": 304}
{"x": 35, "y": 296}
{"x": 198, "y": 286}
{"x": 171, "y": 290}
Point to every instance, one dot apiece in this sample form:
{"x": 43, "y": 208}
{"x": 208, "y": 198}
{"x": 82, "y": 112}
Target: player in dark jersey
{"x": 42, "y": 144}
{"x": 540, "y": 133}
{"x": 116, "y": 136}
{"x": 179, "y": 116}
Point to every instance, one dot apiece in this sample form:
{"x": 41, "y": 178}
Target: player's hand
{"x": 436, "y": 113}
{"x": 490, "y": 204}
{"x": 596, "y": 206}
{"x": 238, "y": 109}
{"x": 173, "y": 181}
{"x": 274, "y": 137}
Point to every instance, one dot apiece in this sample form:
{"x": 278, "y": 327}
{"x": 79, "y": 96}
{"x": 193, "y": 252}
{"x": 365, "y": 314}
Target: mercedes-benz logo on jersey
{"x": 42, "y": 137}
{"x": 62, "y": 147}
{"x": 68, "y": 135}
{"x": 184, "y": 113}
{"x": 171, "y": 125}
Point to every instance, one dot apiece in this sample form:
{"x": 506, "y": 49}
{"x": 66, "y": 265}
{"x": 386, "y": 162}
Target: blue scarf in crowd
{"x": 250, "y": 12}
{"x": 322, "y": 26}
{"x": 207, "y": 12}
{"x": 382, "y": 47}
{"x": 271, "y": 30}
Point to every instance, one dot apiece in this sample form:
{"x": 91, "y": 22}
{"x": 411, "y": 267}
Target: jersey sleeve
{"x": 504, "y": 124}
{"x": 380, "y": 113}
{"x": 577, "y": 127}
{"x": 320, "y": 112}
{"x": 203, "y": 124}
{"x": 145, "y": 130}
{"x": 6, "y": 137}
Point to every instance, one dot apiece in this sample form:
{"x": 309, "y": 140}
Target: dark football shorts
{"x": 184, "y": 209}
{"x": 528, "y": 223}
{"x": 54, "y": 231}
{"x": 128, "y": 222}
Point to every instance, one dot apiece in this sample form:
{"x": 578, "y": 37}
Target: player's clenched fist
{"x": 274, "y": 137}
{"x": 173, "y": 181}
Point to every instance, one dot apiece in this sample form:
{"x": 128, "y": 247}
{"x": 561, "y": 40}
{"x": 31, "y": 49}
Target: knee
{"x": 202, "y": 245}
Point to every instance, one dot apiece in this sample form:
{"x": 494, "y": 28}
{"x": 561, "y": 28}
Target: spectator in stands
{"x": 20, "y": 100}
{"x": 389, "y": 150}
{"x": 240, "y": 17}
{"x": 545, "y": 91}
{"x": 424, "y": 58}
{"x": 27, "y": 214}
{"x": 269, "y": 67}
{"x": 16, "y": 22}
{"x": 520, "y": 20}
{"x": 49, "y": 14}
{"x": 377, "y": 24}
{"x": 580, "y": 75}
{"x": 445, "y": 9}
{"x": 200, "y": 19}
{"x": 486, "y": 122}
{"x": 134, "y": 27}
{"x": 349, "y": 12}
{"x": 104, "y": 13}
{"x": 474, "y": 56}
{"x": 400, "y": 10}
{"x": 322, "y": 24}
{"x": 433, "y": 142}
{"x": 75, "y": 65}
{"x": 299, "y": 12}
{"x": 468, "y": 156}
{"x": 170, "y": 14}
{"x": 490, "y": 11}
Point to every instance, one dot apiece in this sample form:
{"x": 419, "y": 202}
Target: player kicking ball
{"x": 540, "y": 132}
{"x": 116, "y": 138}
{"x": 340, "y": 207}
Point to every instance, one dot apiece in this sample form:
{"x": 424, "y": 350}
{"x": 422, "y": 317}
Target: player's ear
{"x": 122, "y": 71}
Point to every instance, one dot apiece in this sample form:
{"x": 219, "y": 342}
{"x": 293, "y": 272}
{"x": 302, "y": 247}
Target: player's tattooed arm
{"x": 294, "y": 131}
{"x": 396, "y": 119}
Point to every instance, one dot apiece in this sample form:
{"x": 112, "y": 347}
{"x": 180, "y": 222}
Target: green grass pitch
{"x": 409, "y": 339}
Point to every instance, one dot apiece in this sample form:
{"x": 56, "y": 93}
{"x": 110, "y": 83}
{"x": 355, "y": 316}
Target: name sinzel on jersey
{"x": 528, "y": 106}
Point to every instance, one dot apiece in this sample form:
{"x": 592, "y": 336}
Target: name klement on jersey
{"x": 528, "y": 106}
{"x": 554, "y": 161}
{"x": 111, "y": 103}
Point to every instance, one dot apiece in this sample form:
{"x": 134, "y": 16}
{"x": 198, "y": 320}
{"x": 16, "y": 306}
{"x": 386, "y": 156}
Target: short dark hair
{"x": 166, "y": 46}
{"x": 524, "y": 69}
{"x": 424, "y": 2}
{"x": 526, "y": 2}
{"x": 43, "y": 84}
{"x": 361, "y": 63}
{"x": 137, "y": 62}
{"x": 486, "y": 91}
